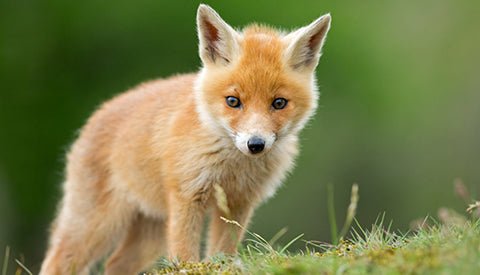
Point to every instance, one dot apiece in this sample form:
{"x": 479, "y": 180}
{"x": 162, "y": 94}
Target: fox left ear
{"x": 218, "y": 42}
{"x": 305, "y": 44}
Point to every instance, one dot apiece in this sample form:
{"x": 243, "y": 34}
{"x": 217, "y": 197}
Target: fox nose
{"x": 256, "y": 145}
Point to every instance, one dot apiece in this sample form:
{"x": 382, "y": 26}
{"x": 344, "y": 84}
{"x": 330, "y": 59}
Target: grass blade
{"x": 331, "y": 214}
{"x": 5, "y": 261}
{"x": 23, "y": 267}
{"x": 290, "y": 243}
{"x": 351, "y": 212}
{"x": 277, "y": 236}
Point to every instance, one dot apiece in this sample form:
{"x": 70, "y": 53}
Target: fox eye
{"x": 279, "y": 103}
{"x": 233, "y": 102}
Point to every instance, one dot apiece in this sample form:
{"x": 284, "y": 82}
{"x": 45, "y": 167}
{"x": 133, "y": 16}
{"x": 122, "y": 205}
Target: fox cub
{"x": 141, "y": 176}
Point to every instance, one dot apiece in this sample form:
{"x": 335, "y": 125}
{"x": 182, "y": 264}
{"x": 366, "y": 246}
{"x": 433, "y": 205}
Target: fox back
{"x": 151, "y": 163}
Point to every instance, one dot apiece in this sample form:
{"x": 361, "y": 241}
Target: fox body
{"x": 140, "y": 178}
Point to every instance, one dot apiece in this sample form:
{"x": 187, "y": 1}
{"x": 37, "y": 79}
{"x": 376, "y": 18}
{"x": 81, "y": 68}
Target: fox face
{"x": 257, "y": 86}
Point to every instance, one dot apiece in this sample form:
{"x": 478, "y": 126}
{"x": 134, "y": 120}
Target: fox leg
{"x": 185, "y": 223}
{"x": 224, "y": 237}
{"x": 82, "y": 235}
{"x": 144, "y": 242}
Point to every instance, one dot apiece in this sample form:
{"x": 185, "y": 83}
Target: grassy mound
{"x": 438, "y": 249}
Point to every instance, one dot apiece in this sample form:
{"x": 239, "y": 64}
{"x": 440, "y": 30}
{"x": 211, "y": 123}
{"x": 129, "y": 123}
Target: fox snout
{"x": 254, "y": 144}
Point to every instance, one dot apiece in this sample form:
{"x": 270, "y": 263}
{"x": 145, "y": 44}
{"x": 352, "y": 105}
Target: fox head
{"x": 258, "y": 85}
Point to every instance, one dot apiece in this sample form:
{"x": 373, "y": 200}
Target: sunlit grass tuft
{"x": 449, "y": 246}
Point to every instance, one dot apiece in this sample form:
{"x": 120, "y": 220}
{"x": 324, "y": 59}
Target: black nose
{"x": 256, "y": 145}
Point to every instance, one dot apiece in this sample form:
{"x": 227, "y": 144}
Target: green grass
{"x": 452, "y": 248}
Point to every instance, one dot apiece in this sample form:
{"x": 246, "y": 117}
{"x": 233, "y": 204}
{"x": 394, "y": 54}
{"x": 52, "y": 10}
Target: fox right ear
{"x": 218, "y": 42}
{"x": 306, "y": 43}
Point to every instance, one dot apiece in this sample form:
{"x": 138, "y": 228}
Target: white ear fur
{"x": 218, "y": 42}
{"x": 305, "y": 44}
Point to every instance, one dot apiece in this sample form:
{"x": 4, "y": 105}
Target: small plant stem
{"x": 351, "y": 211}
{"x": 23, "y": 267}
{"x": 331, "y": 214}
{"x": 5, "y": 261}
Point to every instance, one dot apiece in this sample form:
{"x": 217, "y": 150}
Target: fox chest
{"x": 236, "y": 174}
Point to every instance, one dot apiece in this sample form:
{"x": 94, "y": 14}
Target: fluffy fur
{"x": 141, "y": 175}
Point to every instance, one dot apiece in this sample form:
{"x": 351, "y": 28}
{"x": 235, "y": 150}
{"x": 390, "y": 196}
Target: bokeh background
{"x": 399, "y": 112}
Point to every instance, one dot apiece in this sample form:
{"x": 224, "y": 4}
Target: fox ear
{"x": 218, "y": 42}
{"x": 305, "y": 44}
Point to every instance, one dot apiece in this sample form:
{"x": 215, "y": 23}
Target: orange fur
{"x": 140, "y": 176}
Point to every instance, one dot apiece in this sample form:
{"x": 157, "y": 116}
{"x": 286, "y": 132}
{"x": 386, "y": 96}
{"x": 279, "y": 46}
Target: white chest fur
{"x": 236, "y": 172}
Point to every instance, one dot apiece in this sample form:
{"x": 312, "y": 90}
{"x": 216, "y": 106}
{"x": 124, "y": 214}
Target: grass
{"x": 449, "y": 246}
{"x": 435, "y": 249}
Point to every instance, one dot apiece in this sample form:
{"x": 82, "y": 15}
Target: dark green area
{"x": 399, "y": 112}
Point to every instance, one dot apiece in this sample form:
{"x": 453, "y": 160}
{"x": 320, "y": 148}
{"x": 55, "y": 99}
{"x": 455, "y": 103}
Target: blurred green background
{"x": 399, "y": 112}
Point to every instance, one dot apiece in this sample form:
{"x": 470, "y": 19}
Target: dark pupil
{"x": 279, "y": 103}
{"x": 232, "y": 101}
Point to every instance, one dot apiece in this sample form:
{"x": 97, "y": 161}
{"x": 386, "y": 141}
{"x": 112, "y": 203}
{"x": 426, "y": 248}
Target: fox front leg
{"x": 185, "y": 222}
